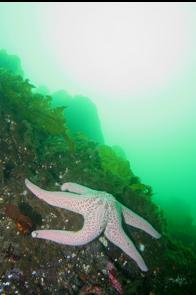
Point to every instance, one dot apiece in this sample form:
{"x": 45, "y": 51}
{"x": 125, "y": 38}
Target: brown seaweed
{"x": 23, "y": 222}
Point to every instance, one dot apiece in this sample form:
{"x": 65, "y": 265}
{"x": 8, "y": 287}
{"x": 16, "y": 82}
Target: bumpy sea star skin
{"x": 101, "y": 212}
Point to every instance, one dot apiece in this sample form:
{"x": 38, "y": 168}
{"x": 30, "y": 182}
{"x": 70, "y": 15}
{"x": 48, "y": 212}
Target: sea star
{"x": 101, "y": 212}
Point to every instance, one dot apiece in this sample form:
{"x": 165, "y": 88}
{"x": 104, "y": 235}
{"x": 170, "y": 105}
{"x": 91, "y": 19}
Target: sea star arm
{"x": 135, "y": 220}
{"x": 64, "y": 200}
{"x": 81, "y": 237}
{"x": 76, "y": 188}
{"x": 92, "y": 228}
{"x": 114, "y": 233}
{"x": 71, "y": 238}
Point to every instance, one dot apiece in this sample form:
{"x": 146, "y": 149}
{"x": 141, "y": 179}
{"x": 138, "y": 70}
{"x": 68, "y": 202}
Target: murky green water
{"x": 112, "y": 107}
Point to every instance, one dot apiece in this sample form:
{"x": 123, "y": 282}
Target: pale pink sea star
{"x": 101, "y": 212}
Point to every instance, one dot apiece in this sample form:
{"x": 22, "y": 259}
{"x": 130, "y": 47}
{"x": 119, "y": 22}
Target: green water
{"x": 101, "y": 95}
{"x": 154, "y": 126}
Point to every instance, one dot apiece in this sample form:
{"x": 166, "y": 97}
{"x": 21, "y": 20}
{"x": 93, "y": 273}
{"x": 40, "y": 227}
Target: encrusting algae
{"x": 23, "y": 222}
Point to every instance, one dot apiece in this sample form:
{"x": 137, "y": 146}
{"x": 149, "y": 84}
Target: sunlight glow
{"x": 117, "y": 48}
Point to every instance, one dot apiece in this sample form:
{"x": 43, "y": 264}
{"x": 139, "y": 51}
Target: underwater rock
{"x": 81, "y": 115}
{"x": 88, "y": 290}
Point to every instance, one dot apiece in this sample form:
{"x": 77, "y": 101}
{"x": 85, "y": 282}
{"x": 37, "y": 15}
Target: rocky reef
{"x": 36, "y": 143}
{"x": 81, "y": 115}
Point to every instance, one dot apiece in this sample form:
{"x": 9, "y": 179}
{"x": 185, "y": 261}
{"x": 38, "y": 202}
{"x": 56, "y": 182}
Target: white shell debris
{"x": 141, "y": 247}
{"x": 103, "y": 241}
